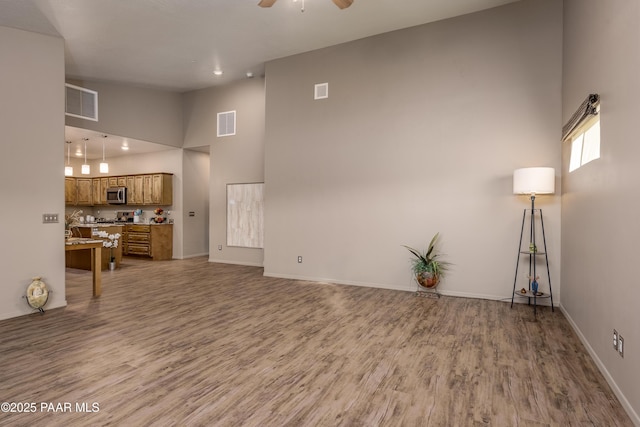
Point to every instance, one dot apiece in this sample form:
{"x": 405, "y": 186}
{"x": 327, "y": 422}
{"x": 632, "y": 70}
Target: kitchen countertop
{"x": 122, "y": 224}
{"x": 99, "y": 224}
{"x": 81, "y": 241}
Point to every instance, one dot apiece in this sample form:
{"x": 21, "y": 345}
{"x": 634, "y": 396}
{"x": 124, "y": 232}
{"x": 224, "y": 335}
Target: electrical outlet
{"x": 49, "y": 218}
{"x": 615, "y": 339}
{"x": 299, "y": 260}
{"x": 621, "y": 345}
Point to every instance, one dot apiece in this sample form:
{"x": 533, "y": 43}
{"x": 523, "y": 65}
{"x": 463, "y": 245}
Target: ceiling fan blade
{"x": 343, "y": 4}
{"x": 266, "y": 3}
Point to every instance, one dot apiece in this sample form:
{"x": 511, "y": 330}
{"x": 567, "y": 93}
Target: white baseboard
{"x": 603, "y": 369}
{"x": 338, "y": 282}
{"x": 224, "y": 261}
{"x": 27, "y": 312}
{"x": 194, "y": 255}
{"x": 409, "y": 288}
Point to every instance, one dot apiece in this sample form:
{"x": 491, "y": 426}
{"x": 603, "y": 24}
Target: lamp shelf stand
{"x": 532, "y": 291}
{"x": 532, "y": 181}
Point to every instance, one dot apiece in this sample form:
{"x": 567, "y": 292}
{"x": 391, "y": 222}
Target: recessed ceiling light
{"x": 217, "y": 72}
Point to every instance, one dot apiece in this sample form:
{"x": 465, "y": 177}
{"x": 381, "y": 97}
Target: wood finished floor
{"x": 192, "y": 343}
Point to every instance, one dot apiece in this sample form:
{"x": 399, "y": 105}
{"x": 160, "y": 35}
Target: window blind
{"x": 584, "y": 115}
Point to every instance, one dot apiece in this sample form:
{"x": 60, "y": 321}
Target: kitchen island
{"x": 82, "y": 259}
{"x": 75, "y": 245}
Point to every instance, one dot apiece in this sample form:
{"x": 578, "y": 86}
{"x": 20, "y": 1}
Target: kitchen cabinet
{"x": 70, "y": 194}
{"x": 100, "y": 191}
{"x": 137, "y": 240}
{"x": 95, "y": 188}
{"x": 147, "y": 189}
{"x": 154, "y": 241}
{"x": 138, "y": 185}
{"x": 162, "y": 189}
{"x": 78, "y": 191}
{"x": 117, "y": 181}
{"x": 157, "y": 189}
{"x": 82, "y": 259}
{"x": 144, "y": 189}
{"x": 104, "y": 184}
{"x": 131, "y": 191}
{"x": 135, "y": 190}
{"x": 84, "y": 191}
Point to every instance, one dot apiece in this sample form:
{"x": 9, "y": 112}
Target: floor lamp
{"x": 533, "y": 181}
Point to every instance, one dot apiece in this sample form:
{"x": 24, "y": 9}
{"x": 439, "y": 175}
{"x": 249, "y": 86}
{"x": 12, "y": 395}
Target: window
{"x": 585, "y": 146}
{"x": 583, "y": 130}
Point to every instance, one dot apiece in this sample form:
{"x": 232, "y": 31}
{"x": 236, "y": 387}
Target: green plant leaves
{"x": 427, "y": 262}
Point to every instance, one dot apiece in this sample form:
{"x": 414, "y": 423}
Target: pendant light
{"x": 86, "y": 169}
{"x": 68, "y": 170}
{"x": 104, "y": 166}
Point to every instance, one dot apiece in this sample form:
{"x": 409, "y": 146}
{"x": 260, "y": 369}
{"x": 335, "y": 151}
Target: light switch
{"x": 49, "y": 218}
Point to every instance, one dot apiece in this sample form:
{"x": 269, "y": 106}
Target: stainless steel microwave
{"x": 117, "y": 195}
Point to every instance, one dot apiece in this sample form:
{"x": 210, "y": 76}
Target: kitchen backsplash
{"x": 107, "y": 213}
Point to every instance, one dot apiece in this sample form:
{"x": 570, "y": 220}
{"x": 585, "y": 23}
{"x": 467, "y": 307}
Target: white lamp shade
{"x": 104, "y": 167}
{"x": 68, "y": 171}
{"x": 86, "y": 169}
{"x": 534, "y": 181}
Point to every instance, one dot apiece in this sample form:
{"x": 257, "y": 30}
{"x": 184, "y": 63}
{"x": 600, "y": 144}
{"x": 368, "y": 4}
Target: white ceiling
{"x": 177, "y": 44}
{"x": 112, "y": 144}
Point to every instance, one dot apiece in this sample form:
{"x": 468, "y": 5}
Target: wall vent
{"x": 81, "y": 102}
{"x": 227, "y": 123}
{"x": 321, "y": 91}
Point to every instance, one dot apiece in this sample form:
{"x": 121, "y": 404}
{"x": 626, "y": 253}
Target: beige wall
{"x": 599, "y": 201}
{"x": 420, "y": 134}
{"x": 133, "y": 112}
{"x": 195, "y": 167}
{"x": 31, "y": 167}
{"x": 233, "y": 159}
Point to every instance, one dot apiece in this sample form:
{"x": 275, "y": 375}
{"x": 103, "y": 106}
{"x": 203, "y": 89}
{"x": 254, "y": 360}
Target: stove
{"x": 112, "y": 221}
{"x": 121, "y": 218}
{"x": 124, "y": 217}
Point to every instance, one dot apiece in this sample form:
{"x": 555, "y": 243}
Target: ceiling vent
{"x": 227, "y": 123}
{"x": 81, "y": 102}
{"x": 321, "y": 91}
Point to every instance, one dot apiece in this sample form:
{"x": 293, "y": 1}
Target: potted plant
{"x": 111, "y": 242}
{"x": 426, "y": 266}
